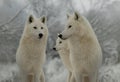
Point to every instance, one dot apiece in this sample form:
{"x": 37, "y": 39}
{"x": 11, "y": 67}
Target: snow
{"x": 56, "y": 72}
{"x": 104, "y": 16}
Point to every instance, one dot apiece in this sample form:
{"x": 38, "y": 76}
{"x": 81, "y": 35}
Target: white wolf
{"x": 85, "y": 50}
{"x": 31, "y": 55}
{"x": 63, "y": 49}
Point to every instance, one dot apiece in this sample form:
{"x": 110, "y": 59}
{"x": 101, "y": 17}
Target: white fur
{"x": 85, "y": 51}
{"x": 63, "y": 50}
{"x": 30, "y": 55}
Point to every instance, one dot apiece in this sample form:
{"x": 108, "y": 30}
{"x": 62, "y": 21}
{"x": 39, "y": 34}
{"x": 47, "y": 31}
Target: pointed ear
{"x": 68, "y": 16}
{"x": 30, "y": 19}
{"x": 76, "y": 15}
{"x": 43, "y": 19}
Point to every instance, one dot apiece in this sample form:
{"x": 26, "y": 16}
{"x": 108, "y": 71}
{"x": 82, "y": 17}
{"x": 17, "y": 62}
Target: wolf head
{"x": 60, "y": 44}
{"x": 36, "y": 27}
{"x": 76, "y": 26}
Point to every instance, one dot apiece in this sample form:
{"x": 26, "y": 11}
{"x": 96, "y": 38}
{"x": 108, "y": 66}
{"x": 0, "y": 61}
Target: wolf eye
{"x": 41, "y": 27}
{"x": 35, "y": 27}
{"x": 69, "y": 26}
{"x": 60, "y": 42}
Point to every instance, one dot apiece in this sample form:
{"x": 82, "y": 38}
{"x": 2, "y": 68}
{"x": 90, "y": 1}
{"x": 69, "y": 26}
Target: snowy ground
{"x": 56, "y": 72}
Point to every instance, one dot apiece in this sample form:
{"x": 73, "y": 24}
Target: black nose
{"x": 54, "y": 48}
{"x": 40, "y": 35}
{"x": 60, "y": 35}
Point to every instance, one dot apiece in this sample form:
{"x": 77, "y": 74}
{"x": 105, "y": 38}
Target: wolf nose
{"x": 54, "y": 48}
{"x": 40, "y": 35}
{"x": 60, "y": 35}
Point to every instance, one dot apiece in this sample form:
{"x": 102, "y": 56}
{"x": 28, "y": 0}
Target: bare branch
{"x": 15, "y": 15}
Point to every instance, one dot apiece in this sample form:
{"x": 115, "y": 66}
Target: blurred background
{"x": 104, "y": 16}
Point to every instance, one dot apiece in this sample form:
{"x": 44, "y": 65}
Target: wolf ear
{"x": 76, "y": 15}
{"x": 43, "y": 19}
{"x": 68, "y": 16}
{"x": 30, "y": 19}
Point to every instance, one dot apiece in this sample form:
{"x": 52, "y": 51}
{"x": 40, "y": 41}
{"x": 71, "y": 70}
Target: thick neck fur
{"x": 84, "y": 43}
{"x": 32, "y": 43}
